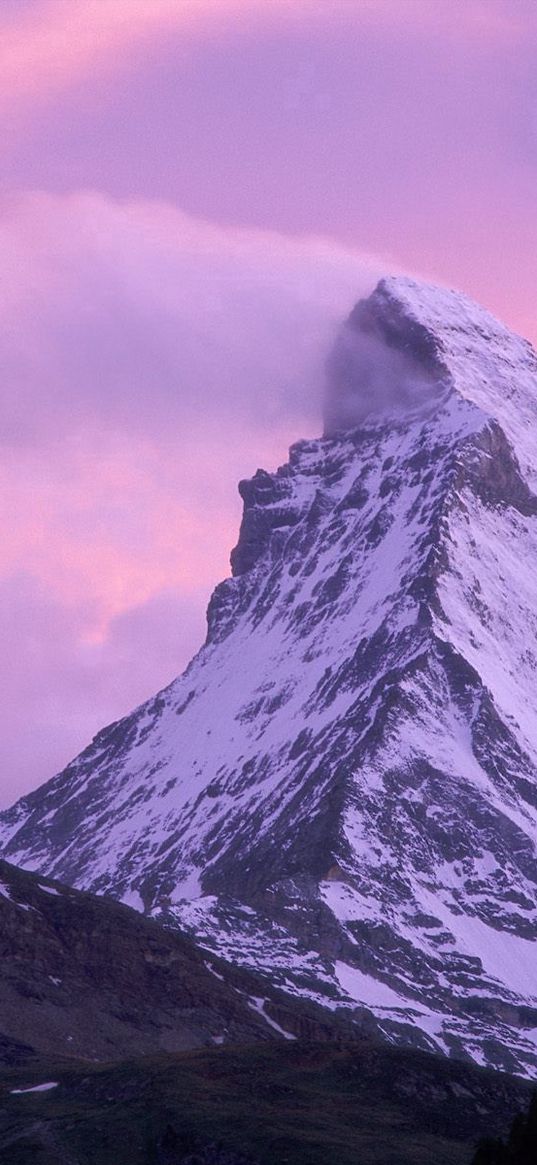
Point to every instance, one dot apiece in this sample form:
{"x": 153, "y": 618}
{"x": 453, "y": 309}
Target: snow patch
{"x": 35, "y": 1088}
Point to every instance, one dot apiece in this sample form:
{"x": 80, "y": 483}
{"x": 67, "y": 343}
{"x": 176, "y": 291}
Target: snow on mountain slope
{"x": 341, "y": 790}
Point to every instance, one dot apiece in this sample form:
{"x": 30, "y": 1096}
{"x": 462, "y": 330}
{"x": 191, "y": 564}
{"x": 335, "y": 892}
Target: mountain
{"x": 341, "y": 790}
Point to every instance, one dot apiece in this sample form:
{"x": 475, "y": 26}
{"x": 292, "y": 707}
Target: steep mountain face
{"x": 341, "y": 790}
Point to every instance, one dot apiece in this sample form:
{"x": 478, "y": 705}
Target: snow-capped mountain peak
{"x": 341, "y": 790}
{"x": 433, "y": 341}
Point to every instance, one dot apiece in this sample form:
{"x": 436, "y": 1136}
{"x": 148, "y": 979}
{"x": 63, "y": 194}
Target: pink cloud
{"x": 127, "y": 318}
{"x": 54, "y": 42}
{"x": 59, "y": 687}
{"x": 149, "y": 361}
{"x": 50, "y": 44}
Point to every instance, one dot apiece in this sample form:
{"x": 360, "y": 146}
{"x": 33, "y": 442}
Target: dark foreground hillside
{"x": 271, "y": 1104}
{"x": 85, "y": 978}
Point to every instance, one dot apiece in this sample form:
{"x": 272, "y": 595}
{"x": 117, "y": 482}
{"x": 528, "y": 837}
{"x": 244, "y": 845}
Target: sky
{"x": 193, "y": 195}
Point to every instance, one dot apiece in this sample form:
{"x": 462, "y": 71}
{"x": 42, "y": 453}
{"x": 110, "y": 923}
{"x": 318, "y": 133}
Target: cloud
{"x": 60, "y": 686}
{"x": 366, "y": 377}
{"x": 48, "y": 45}
{"x": 149, "y": 360}
{"x": 138, "y": 317}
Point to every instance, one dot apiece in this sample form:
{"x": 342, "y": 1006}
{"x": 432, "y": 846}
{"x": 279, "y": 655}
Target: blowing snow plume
{"x": 379, "y": 364}
{"x": 149, "y": 360}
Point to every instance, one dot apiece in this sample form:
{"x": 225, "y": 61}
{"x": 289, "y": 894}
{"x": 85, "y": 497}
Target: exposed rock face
{"x": 341, "y": 790}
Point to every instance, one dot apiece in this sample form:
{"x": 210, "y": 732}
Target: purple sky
{"x": 194, "y": 193}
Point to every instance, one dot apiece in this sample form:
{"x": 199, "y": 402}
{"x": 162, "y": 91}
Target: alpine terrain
{"x": 340, "y": 793}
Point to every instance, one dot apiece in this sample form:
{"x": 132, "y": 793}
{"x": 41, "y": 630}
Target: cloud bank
{"x": 137, "y": 317}
{"x": 148, "y": 361}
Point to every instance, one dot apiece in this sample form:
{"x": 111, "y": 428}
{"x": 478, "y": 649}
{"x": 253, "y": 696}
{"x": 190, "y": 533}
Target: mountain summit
{"x": 341, "y": 790}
